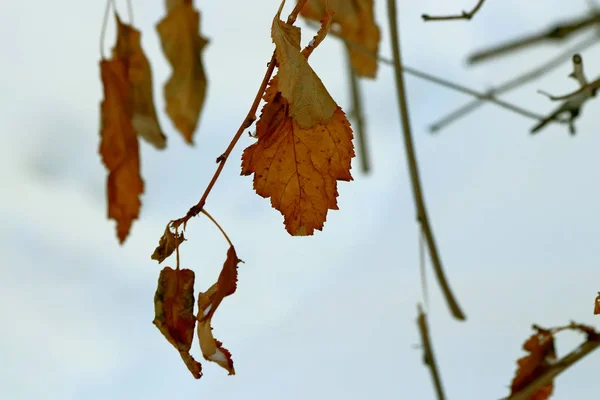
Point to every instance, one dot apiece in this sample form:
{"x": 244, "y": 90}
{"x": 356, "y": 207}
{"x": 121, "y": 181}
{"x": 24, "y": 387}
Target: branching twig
{"x": 514, "y": 83}
{"x": 428, "y": 355}
{"x": 464, "y": 15}
{"x": 412, "y": 164}
{"x": 358, "y": 116}
{"x": 250, "y": 118}
{"x": 440, "y": 81}
{"x": 555, "y": 34}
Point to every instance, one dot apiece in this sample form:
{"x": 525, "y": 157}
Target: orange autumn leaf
{"x": 208, "y": 302}
{"x": 174, "y": 313}
{"x": 119, "y": 147}
{"x": 356, "y": 19}
{"x": 541, "y": 352}
{"x": 182, "y": 44}
{"x": 597, "y": 305}
{"x": 309, "y": 102}
{"x": 144, "y": 119}
{"x": 298, "y": 168}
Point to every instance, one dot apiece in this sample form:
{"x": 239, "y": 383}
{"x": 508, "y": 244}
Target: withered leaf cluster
{"x": 128, "y": 111}
{"x": 175, "y": 318}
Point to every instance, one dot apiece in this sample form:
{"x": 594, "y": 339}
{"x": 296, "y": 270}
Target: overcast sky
{"x": 328, "y": 316}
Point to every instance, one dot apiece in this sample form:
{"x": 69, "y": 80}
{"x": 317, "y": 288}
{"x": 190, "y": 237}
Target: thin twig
{"x": 218, "y": 226}
{"x": 412, "y": 164}
{"x": 514, "y": 83}
{"x": 423, "y": 270}
{"x": 250, "y": 118}
{"x": 554, "y": 369}
{"x": 557, "y": 33}
{"x": 358, "y": 116}
{"x": 429, "y": 357}
{"x": 464, "y": 15}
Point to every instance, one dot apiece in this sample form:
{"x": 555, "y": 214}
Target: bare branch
{"x": 514, "y": 83}
{"x": 438, "y": 80}
{"x": 412, "y": 164}
{"x": 464, "y": 15}
{"x": 554, "y": 34}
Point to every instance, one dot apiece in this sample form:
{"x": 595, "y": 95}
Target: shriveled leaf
{"x": 208, "y": 302}
{"x": 541, "y": 353}
{"x": 167, "y": 245}
{"x": 119, "y": 147}
{"x": 298, "y": 168}
{"x": 597, "y": 304}
{"x": 182, "y": 45}
{"x": 174, "y": 312}
{"x": 356, "y": 19}
{"x": 144, "y": 119}
{"x": 308, "y": 100}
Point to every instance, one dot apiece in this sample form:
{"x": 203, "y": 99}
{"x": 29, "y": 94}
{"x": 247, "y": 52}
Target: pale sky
{"x": 328, "y": 316}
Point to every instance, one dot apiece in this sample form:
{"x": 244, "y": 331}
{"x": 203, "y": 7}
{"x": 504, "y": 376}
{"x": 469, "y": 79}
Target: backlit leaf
{"x": 298, "y": 168}
{"x": 309, "y": 102}
{"x": 174, "y": 312}
{"x": 182, "y": 45}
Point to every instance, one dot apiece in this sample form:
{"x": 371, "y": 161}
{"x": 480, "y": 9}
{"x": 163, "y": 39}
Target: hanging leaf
{"x": 309, "y": 102}
{"x": 597, "y": 305}
{"x": 144, "y": 119}
{"x": 167, "y": 244}
{"x": 208, "y": 302}
{"x": 182, "y": 45}
{"x": 119, "y": 147}
{"x": 174, "y": 313}
{"x": 356, "y": 19}
{"x": 304, "y": 139}
{"x": 541, "y": 353}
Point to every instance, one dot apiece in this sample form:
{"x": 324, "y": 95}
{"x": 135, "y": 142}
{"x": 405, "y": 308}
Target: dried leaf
{"x": 309, "y": 101}
{"x": 208, "y": 302}
{"x": 541, "y": 353}
{"x": 182, "y": 44}
{"x": 597, "y": 305}
{"x": 145, "y": 121}
{"x": 357, "y": 25}
{"x": 298, "y": 168}
{"x": 167, "y": 245}
{"x": 119, "y": 147}
{"x": 174, "y": 312}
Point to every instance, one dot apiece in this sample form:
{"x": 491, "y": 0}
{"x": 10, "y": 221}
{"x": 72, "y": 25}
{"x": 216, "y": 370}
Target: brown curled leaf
{"x": 167, "y": 244}
{"x": 119, "y": 147}
{"x": 144, "y": 119}
{"x": 182, "y": 44}
{"x": 208, "y": 302}
{"x": 540, "y": 347}
{"x": 597, "y": 305}
{"x": 174, "y": 312}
